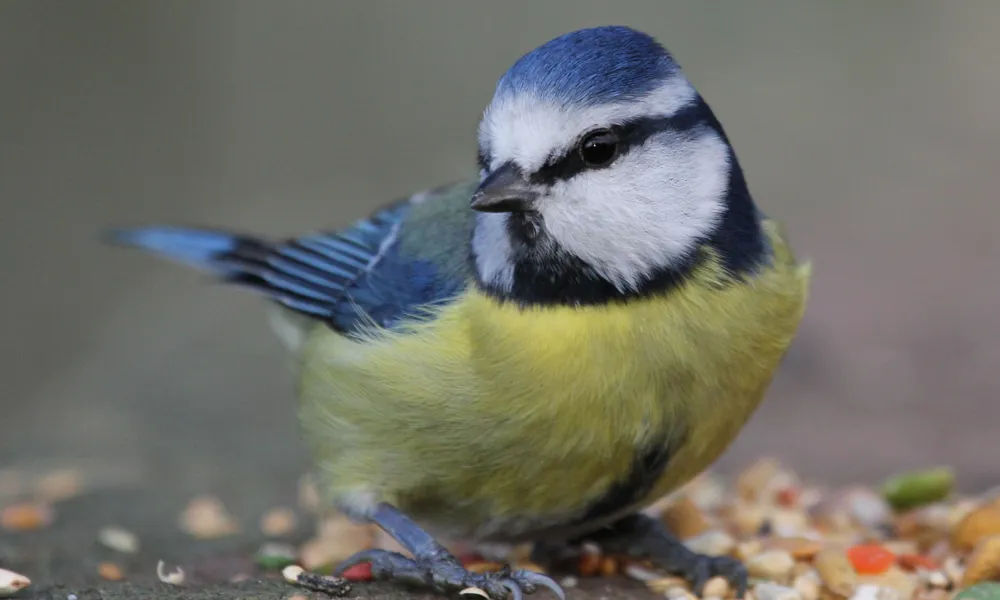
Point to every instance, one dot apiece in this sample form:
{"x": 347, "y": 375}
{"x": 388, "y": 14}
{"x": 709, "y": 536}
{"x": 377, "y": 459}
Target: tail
{"x": 310, "y": 275}
{"x": 243, "y": 260}
{"x": 208, "y": 251}
{"x": 307, "y": 283}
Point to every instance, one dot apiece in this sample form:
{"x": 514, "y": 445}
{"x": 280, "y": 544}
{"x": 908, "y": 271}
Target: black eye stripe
{"x": 630, "y": 135}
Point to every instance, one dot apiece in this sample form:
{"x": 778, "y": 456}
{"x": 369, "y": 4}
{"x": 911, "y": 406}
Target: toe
{"x": 534, "y": 580}
{"x": 515, "y": 589}
{"x": 734, "y": 572}
{"x": 365, "y": 556}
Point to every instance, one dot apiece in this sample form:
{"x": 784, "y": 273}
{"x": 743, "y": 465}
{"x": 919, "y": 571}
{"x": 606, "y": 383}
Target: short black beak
{"x": 505, "y": 190}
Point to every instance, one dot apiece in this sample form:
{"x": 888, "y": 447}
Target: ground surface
{"x": 64, "y": 558}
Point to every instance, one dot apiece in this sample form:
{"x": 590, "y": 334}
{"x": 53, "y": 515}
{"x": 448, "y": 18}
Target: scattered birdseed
{"x": 912, "y": 539}
{"x": 206, "y": 517}
{"x": 58, "y": 485}
{"x": 334, "y": 586}
{"x": 278, "y": 522}
{"x": 308, "y": 495}
{"x": 26, "y": 516}
{"x": 119, "y": 540}
{"x": 11, "y": 583}
{"x": 175, "y": 577}
{"x": 274, "y": 557}
{"x": 110, "y": 571}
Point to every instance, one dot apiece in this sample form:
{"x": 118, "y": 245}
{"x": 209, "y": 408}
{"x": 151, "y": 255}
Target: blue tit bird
{"x": 537, "y": 354}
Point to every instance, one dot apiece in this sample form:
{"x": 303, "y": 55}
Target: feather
{"x": 345, "y": 278}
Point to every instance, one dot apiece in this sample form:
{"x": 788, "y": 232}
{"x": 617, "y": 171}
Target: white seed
{"x": 474, "y": 591}
{"x": 772, "y": 564}
{"x": 569, "y": 582}
{"x": 715, "y": 587}
{"x": 678, "y": 593}
{"x": 640, "y": 573}
{"x": 291, "y": 573}
{"x": 175, "y": 577}
{"x": 807, "y": 585}
{"x": 773, "y": 591}
{"x": 711, "y": 543}
{"x": 937, "y": 579}
{"x": 953, "y": 569}
{"x": 278, "y": 522}
{"x": 119, "y": 540}
{"x": 867, "y": 591}
{"x": 11, "y": 583}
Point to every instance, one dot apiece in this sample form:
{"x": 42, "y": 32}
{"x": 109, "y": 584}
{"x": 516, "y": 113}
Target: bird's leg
{"x": 432, "y": 566}
{"x": 641, "y": 536}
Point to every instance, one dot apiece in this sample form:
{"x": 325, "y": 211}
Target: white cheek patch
{"x": 646, "y": 211}
{"x": 492, "y": 248}
{"x": 527, "y": 130}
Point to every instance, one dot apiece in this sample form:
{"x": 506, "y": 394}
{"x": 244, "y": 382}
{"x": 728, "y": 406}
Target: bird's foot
{"x": 643, "y": 537}
{"x": 441, "y": 572}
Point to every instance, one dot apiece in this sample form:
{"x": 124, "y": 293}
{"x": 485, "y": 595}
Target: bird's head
{"x": 602, "y": 172}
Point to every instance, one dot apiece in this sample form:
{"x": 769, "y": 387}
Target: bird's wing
{"x": 406, "y": 255}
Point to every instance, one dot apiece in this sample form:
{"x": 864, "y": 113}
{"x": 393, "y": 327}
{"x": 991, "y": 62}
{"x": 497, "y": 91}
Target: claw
{"x": 543, "y": 580}
{"x": 515, "y": 590}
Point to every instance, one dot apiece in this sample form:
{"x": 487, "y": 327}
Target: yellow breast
{"x": 475, "y": 410}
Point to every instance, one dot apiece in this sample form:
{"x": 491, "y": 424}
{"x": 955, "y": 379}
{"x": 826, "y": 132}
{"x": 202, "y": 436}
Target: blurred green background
{"x": 871, "y": 129}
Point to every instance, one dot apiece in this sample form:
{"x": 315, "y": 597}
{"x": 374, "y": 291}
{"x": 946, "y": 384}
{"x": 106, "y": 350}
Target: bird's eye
{"x": 599, "y": 148}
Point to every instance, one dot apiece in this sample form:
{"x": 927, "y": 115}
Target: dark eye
{"x": 599, "y": 148}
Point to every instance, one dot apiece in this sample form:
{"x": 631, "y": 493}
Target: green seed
{"x": 917, "y": 488}
{"x": 274, "y": 557}
{"x": 989, "y": 590}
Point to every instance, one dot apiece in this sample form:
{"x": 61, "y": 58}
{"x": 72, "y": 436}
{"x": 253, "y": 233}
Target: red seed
{"x": 359, "y": 572}
{"x": 912, "y": 562}
{"x": 870, "y": 559}
{"x": 470, "y": 559}
{"x": 788, "y": 497}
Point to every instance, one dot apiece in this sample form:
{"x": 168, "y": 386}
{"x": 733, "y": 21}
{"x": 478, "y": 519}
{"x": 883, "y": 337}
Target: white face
{"x": 647, "y": 210}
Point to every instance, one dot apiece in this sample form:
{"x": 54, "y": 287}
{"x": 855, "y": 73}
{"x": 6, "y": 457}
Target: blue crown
{"x": 590, "y": 67}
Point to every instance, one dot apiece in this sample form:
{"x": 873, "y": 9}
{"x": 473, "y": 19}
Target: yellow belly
{"x": 490, "y": 416}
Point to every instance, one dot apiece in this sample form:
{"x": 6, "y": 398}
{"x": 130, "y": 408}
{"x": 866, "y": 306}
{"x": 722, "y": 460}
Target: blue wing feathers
{"x": 344, "y": 278}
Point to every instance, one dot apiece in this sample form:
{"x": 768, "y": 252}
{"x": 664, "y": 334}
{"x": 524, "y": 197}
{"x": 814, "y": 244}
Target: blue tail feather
{"x": 198, "y": 248}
